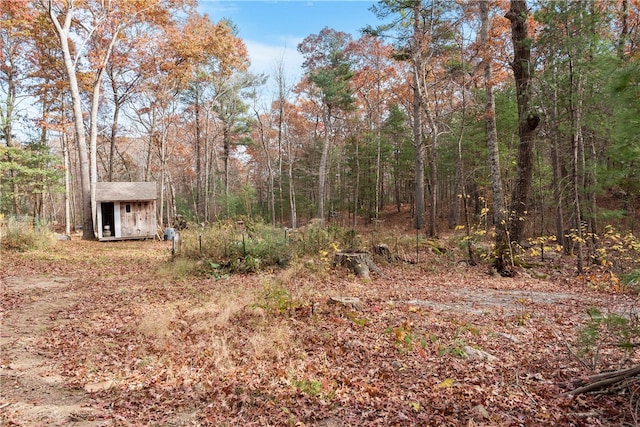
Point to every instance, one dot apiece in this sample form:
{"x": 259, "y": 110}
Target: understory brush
{"x": 250, "y": 247}
{"x": 236, "y": 247}
{"x": 23, "y": 236}
{"x": 606, "y": 337}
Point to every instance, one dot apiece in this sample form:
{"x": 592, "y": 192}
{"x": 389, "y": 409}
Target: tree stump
{"x": 359, "y": 262}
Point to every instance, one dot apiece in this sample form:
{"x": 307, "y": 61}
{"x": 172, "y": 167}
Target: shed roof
{"x": 125, "y": 191}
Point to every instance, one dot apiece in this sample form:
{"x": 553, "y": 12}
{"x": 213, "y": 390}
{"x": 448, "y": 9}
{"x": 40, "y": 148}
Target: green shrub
{"x": 632, "y": 280}
{"x": 275, "y": 298}
{"x": 309, "y": 387}
{"x": 238, "y": 247}
{"x": 607, "y": 330}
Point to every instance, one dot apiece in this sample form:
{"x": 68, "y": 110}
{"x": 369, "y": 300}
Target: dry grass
{"x": 253, "y": 345}
{"x": 156, "y": 320}
{"x": 23, "y": 236}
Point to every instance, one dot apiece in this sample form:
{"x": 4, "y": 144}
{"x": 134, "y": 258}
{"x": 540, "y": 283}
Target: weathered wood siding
{"x": 138, "y": 220}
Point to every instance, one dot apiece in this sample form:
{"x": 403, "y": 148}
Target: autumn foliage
{"x": 474, "y": 140}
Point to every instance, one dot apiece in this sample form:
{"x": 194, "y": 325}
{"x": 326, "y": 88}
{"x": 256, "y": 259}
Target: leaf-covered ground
{"x": 98, "y": 334}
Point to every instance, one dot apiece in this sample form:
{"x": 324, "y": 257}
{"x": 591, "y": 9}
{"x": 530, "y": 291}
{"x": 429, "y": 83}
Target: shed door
{"x": 106, "y": 210}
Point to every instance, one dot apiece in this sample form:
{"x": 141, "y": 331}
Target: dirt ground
{"x": 96, "y": 334}
{"x": 33, "y": 390}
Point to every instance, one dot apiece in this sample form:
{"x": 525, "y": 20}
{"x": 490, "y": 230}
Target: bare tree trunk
{"x": 292, "y": 188}
{"x": 528, "y": 118}
{"x": 272, "y": 195}
{"x": 114, "y": 124}
{"x": 499, "y": 217}
{"x": 112, "y": 146}
{"x": 62, "y": 31}
{"x": 396, "y": 172}
{"x": 557, "y": 174}
{"x": 379, "y": 178}
{"x": 163, "y": 166}
{"x": 433, "y": 177}
{"x": 322, "y": 169}
{"x": 226, "y": 141}
{"x": 7, "y": 131}
{"x": 455, "y": 193}
{"x": 433, "y": 149}
{"x": 214, "y": 172}
{"x": 67, "y": 183}
{"x": 418, "y": 144}
{"x": 576, "y": 144}
{"x": 198, "y": 153}
{"x": 280, "y": 79}
{"x": 172, "y": 214}
{"x": 593, "y": 204}
{"x": 624, "y": 30}
{"x": 7, "y": 121}
{"x": 206, "y": 169}
{"x": 93, "y": 130}
{"x": 577, "y": 237}
{"x": 270, "y": 179}
{"x": 356, "y": 191}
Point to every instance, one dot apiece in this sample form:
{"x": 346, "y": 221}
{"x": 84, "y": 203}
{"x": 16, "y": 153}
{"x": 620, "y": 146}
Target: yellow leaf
{"x": 446, "y": 383}
{"x": 415, "y": 406}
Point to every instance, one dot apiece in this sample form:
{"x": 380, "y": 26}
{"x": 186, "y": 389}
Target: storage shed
{"x": 126, "y": 210}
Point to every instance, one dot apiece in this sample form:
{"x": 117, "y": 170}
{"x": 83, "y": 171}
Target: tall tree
{"x": 417, "y": 53}
{"x": 230, "y": 107}
{"x": 374, "y": 75}
{"x": 499, "y": 211}
{"x": 284, "y": 141}
{"x": 62, "y": 19}
{"x": 16, "y": 21}
{"x": 423, "y": 30}
{"x": 15, "y": 44}
{"x": 578, "y": 69}
{"x": 129, "y": 66}
{"x": 528, "y": 117}
{"x": 410, "y": 46}
{"x": 396, "y": 130}
{"x": 329, "y": 69}
{"x": 213, "y": 53}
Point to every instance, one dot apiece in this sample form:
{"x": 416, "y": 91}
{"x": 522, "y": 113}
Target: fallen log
{"x": 603, "y": 380}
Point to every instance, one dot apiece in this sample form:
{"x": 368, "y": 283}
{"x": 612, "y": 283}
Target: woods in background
{"x": 519, "y": 115}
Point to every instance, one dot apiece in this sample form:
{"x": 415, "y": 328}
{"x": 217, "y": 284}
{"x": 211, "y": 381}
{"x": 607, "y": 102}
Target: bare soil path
{"x": 32, "y": 390}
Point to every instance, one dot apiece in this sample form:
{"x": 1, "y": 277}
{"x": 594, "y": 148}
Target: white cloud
{"x": 265, "y": 59}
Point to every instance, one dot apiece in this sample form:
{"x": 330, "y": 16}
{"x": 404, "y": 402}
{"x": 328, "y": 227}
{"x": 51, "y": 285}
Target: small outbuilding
{"x": 126, "y": 210}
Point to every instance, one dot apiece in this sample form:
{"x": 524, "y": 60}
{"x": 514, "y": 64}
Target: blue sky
{"x": 272, "y": 30}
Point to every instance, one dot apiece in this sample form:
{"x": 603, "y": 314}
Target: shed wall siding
{"x": 139, "y": 221}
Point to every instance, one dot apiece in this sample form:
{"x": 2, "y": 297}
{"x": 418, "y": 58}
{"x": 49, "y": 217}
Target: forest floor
{"x": 102, "y": 334}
